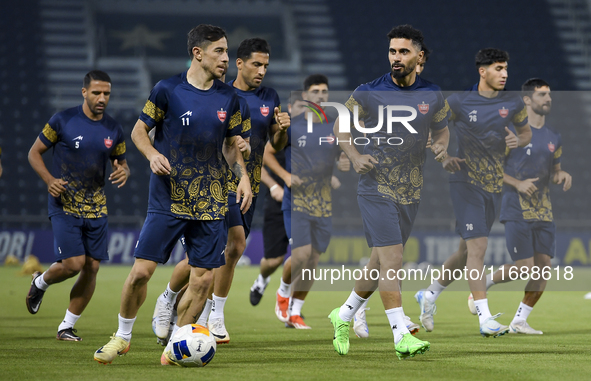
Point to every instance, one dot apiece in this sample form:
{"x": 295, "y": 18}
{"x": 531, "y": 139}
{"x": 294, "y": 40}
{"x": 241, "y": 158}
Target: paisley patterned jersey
{"x": 537, "y": 159}
{"x": 400, "y": 152}
{"x": 313, "y": 162}
{"x": 479, "y": 123}
{"x": 261, "y": 103}
{"x": 191, "y": 126}
{"x": 82, "y": 148}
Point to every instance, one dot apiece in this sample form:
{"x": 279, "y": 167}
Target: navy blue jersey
{"x": 537, "y": 159}
{"x": 82, "y": 147}
{"x": 261, "y": 102}
{"x": 479, "y": 124}
{"x": 398, "y": 175}
{"x": 313, "y": 162}
{"x": 191, "y": 126}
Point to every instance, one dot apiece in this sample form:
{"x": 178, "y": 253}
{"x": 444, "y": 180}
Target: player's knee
{"x": 235, "y": 249}
{"x": 91, "y": 266}
{"x": 140, "y": 275}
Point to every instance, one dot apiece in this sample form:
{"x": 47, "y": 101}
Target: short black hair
{"x": 252, "y": 45}
{"x": 95, "y": 75}
{"x": 529, "y": 86}
{"x": 315, "y": 79}
{"x": 489, "y": 56}
{"x": 295, "y": 96}
{"x": 202, "y": 35}
{"x": 408, "y": 33}
{"x": 426, "y": 52}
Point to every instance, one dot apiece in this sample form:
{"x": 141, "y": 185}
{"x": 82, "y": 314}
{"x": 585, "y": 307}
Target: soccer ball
{"x": 192, "y": 345}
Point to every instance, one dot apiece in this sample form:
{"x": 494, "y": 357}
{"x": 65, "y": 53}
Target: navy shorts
{"x": 275, "y": 239}
{"x": 386, "y": 222}
{"x": 303, "y": 229}
{"x": 524, "y": 238}
{"x": 235, "y": 216}
{"x": 475, "y": 209}
{"x": 205, "y": 240}
{"x": 73, "y": 236}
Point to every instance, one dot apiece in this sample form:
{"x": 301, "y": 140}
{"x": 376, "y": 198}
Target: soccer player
{"x": 307, "y": 204}
{"x": 360, "y": 326}
{"x": 84, "y": 140}
{"x": 196, "y": 119}
{"x": 275, "y": 239}
{"x": 391, "y": 179}
{"x": 266, "y": 120}
{"x": 526, "y": 209}
{"x": 481, "y": 116}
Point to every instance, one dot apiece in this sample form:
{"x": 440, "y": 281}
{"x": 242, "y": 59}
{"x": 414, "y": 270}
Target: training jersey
{"x": 479, "y": 124}
{"x": 261, "y": 102}
{"x": 82, "y": 148}
{"x": 191, "y": 126}
{"x": 313, "y": 162}
{"x": 537, "y": 159}
{"x": 398, "y": 175}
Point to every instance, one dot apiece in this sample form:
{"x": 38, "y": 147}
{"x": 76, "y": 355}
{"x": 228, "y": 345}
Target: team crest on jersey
{"x": 424, "y": 108}
{"x": 222, "y": 115}
{"x": 551, "y": 147}
{"x": 108, "y": 142}
{"x": 265, "y": 110}
{"x": 503, "y": 112}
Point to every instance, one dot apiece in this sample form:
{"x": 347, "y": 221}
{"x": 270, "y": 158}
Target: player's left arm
{"x": 120, "y": 172}
{"x": 235, "y": 160}
{"x": 559, "y": 176}
{"x": 522, "y": 138}
{"x": 279, "y": 129}
{"x": 244, "y": 146}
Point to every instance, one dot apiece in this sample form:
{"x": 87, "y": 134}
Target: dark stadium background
{"x": 46, "y": 47}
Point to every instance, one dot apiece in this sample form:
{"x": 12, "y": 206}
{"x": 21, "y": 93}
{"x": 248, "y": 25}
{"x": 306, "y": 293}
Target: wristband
{"x": 273, "y": 187}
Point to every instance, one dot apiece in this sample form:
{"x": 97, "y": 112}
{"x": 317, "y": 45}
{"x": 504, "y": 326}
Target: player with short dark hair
{"x": 526, "y": 209}
{"x": 196, "y": 118}
{"x": 481, "y": 117}
{"x": 389, "y": 189}
{"x": 266, "y": 120}
{"x": 307, "y": 203}
{"x": 275, "y": 241}
{"x": 84, "y": 139}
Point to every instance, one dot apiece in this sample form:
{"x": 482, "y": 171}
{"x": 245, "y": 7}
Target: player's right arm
{"x": 272, "y": 163}
{"x": 361, "y": 163}
{"x": 54, "y": 186}
{"x": 158, "y": 163}
{"x": 526, "y": 186}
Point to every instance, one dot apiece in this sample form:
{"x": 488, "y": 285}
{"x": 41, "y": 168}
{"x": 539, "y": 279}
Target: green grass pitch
{"x": 261, "y": 348}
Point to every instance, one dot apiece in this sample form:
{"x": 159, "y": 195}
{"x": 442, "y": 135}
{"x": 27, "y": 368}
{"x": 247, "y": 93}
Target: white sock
{"x": 169, "y": 295}
{"x": 489, "y": 281}
{"x": 296, "y": 307}
{"x": 40, "y": 282}
{"x": 125, "y": 328}
{"x": 433, "y": 291}
{"x": 205, "y": 313}
{"x": 284, "y": 289}
{"x": 69, "y": 320}
{"x": 482, "y": 310}
{"x": 351, "y": 306}
{"x": 263, "y": 281}
{"x": 217, "y": 308}
{"x": 397, "y": 324}
{"x": 364, "y": 305}
{"x": 522, "y": 313}
{"x": 174, "y": 329}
